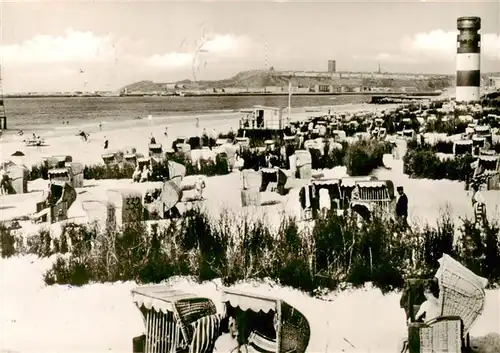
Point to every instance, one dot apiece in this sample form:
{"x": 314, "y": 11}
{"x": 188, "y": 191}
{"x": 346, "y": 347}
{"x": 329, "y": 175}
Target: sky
{"x": 87, "y": 46}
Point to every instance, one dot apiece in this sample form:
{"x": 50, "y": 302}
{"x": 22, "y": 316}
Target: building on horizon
{"x": 332, "y": 66}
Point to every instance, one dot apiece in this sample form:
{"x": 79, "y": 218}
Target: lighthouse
{"x": 468, "y": 59}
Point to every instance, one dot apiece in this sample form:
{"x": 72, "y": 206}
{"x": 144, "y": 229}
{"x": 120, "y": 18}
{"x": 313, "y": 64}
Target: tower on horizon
{"x": 332, "y": 66}
{"x": 468, "y": 59}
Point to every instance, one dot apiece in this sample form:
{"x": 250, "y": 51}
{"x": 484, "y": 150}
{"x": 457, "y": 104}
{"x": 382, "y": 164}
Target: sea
{"x": 32, "y": 114}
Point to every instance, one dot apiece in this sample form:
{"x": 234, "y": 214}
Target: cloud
{"x": 170, "y": 60}
{"x": 73, "y": 46}
{"x": 212, "y": 47}
{"x": 436, "y": 46}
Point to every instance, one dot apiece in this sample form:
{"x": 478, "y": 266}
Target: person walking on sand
{"x": 83, "y": 135}
{"x": 166, "y": 132}
{"x": 479, "y": 205}
{"x": 106, "y": 143}
{"x": 197, "y": 123}
{"x": 402, "y": 207}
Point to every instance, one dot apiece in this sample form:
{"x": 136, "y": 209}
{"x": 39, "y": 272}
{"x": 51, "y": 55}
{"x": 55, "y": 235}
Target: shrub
{"x": 422, "y": 162}
{"x": 99, "y": 172}
{"x": 65, "y": 271}
{"x": 362, "y": 157}
{"x": 41, "y": 244}
{"x": 39, "y": 171}
{"x": 337, "y": 250}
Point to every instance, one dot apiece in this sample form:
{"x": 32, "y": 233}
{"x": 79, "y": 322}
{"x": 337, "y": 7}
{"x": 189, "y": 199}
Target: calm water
{"x": 33, "y": 113}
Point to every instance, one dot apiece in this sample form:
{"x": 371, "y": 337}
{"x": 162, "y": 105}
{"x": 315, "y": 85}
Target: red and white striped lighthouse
{"x": 468, "y": 59}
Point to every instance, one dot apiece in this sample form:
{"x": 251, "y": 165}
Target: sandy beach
{"x": 28, "y": 307}
{"x": 102, "y": 318}
{"x": 63, "y": 139}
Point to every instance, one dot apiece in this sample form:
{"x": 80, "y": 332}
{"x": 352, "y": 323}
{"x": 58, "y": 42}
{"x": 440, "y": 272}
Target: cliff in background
{"x": 260, "y": 79}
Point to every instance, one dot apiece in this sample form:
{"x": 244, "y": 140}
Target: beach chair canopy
{"x": 143, "y": 160}
{"x": 155, "y": 147}
{"x": 163, "y": 298}
{"x": 482, "y": 129}
{"x": 462, "y": 292}
{"x": 351, "y": 182}
{"x": 268, "y": 170}
{"x": 58, "y": 172}
{"x": 463, "y": 142}
{"x": 253, "y": 302}
{"x": 489, "y": 162}
{"x": 130, "y": 157}
{"x": 324, "y": 181}
{"x": 372, "y": 184}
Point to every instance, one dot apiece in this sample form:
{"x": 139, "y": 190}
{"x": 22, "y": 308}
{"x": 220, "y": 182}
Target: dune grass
{"x": 334, "y": 252}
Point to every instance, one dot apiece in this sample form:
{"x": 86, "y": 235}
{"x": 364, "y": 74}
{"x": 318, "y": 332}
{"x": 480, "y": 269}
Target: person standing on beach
{"x": 402, "y": 207}
{"x": 197, "y": 123}
{"x": 166, "y": 132}
{"x": 106, "y": 143}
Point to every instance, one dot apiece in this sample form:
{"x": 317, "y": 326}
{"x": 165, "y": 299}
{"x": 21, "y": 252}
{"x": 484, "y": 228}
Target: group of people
{"x": 141, "y": 176}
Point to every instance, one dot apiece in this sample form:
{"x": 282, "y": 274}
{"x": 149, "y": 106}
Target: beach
{"x": 102, "y": 317}
{"x": 136, "y": 133}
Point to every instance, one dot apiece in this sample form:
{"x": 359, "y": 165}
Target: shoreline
{"x": 52, "y": 130}
{"x": 236, "y": 94}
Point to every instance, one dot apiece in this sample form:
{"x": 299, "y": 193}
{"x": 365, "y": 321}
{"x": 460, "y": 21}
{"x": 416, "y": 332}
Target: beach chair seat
{"x": 259, "y": 343}
{"x": 272, "y": 187}
{"x": 439, "y": 335}
{"x": 205, "y": 331}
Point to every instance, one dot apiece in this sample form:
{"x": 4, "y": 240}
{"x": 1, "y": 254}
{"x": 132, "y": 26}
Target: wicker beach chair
{"x": 461, "y": 300}
{"x": 291, "y": 328}
{"x": 172, "y": 319}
